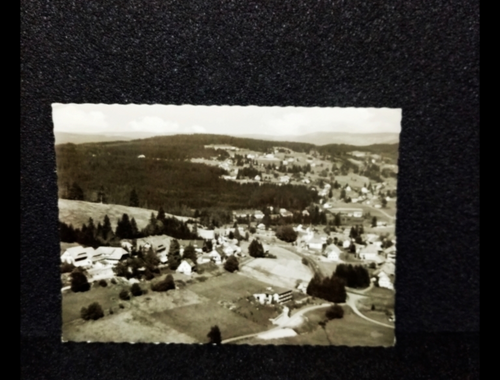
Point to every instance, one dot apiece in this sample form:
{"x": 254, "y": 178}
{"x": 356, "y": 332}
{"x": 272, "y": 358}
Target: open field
{"x": 108, "y": 298}
{"x": 284, "y": 271}
{"x": 130, "y": 322}
{"x": 229, "y": 287}
{"x": 198, "y": 318}
{"x": 353, "y": 180}
{"x": 183, "y": 315}
{"x": 351, "y": 330}
{"x": 379, "y": 213}
{"x": 126, "y": 326}
{"x": 79, "y": 212}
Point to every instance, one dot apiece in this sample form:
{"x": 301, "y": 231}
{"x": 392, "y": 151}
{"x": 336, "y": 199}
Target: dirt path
{"x": 357, "y": 291}
{"x": 382, "y": 211}
{"x": 352, "y": 300}
{"x": 291, "y": 322}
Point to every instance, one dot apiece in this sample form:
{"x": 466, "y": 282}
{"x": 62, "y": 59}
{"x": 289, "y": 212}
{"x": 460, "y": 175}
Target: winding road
{"x": 352, "y": 300}
{"x": 353, "y": 296}
{"x": 292, "y": 321}
{"x": 382, "y": 211}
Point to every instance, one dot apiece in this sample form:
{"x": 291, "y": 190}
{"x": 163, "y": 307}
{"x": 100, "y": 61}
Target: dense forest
{"x": 180, "y": 147}
{"x": 171, "y": 184}
{"x": 111, "y": 172}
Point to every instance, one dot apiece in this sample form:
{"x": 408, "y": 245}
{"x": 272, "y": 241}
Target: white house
{"x": 388, "y": 268}
{"x": 141, "y": 156}
{"x": 263, "y": 298}
{"x": 231, "y": 249}
{"x": 384, "y": 281}
{"x": 302, "y": 287}
{"x": 215, "y": 257}
{"x": 332, "y": 252}
{"x": 78, "y": 256}
{"x": 111, "y": 254}
{"x": 390, "y": 252}
{"x": 285, "y": 213}
{"x": 315, "y": 243}
{"x": 261, "y": 226}
{"x": 370, "y": 252}
{"x": 101, "y": 271}
{"x": 186, "y": 267}
{"x": 285, "y": 179}
{"x": 346, "y": 243}
{"x": 258, "y": 214}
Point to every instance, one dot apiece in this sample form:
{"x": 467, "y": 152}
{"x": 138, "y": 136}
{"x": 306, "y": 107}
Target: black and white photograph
{"x": 244, "y": 225}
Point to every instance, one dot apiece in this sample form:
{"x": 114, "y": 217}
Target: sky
{"x": 233, "y": 120}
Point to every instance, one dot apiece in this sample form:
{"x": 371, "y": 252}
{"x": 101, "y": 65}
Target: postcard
{"x": 227, "y": 224}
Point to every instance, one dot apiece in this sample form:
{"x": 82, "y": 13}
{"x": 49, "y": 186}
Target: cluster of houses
{"x": 98, "y": 262}
{"x": 372, "y": 252}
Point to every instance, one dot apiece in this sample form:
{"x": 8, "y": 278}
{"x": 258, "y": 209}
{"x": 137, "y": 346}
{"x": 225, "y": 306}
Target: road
{"x": 352, "y": 300}
{"x": 294, "y": 319}
{"x": 382, "y": 211}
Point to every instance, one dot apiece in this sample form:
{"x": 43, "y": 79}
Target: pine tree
{"x": 101, "y": 195}
{"x": 161, "y": 214}
{"x": 255, "y": 249}
{"x": 214, "y": 335}
{"x": 124, "y": 228}
{"x": 237, "y": 234}
{"x": 374, "y": 221}
{"x": 88, "y": 237}
{"x": 134, "y": 229}
{"x": 190, "y": 253}
{"x": 107, "y": 231}
{"x": 134, "y": 199}
{"x": 99, "y": 234}
{"x": 76, "y": 192}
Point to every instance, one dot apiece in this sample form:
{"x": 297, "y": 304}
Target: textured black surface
{"x": 421, "y": 56}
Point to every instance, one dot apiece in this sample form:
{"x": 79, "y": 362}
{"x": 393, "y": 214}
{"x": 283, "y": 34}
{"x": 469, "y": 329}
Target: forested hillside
{"x": 171, "y": 184}
{"x": 111, "y": 172}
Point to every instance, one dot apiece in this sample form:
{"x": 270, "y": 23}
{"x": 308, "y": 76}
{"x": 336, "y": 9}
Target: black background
{"x": 421, "y": 56}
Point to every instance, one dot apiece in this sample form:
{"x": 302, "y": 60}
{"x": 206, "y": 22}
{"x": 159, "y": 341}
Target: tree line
{"x": 104, "y": 235}
{"x": 333, "y": 288}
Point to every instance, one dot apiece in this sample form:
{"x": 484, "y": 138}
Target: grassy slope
{"x": 79, "y": 212}
{"x": 184, "y": 315}
{"x": 351, "y": 330}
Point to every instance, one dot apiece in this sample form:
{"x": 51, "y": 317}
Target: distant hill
{"x": 79, "y": 212}
{"x": 318, "y": 138}
{"x": 325, "y": 138}
{"x": 81, "y": 138}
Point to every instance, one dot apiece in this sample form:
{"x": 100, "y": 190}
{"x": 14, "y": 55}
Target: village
{"x": 264, "y": 289}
